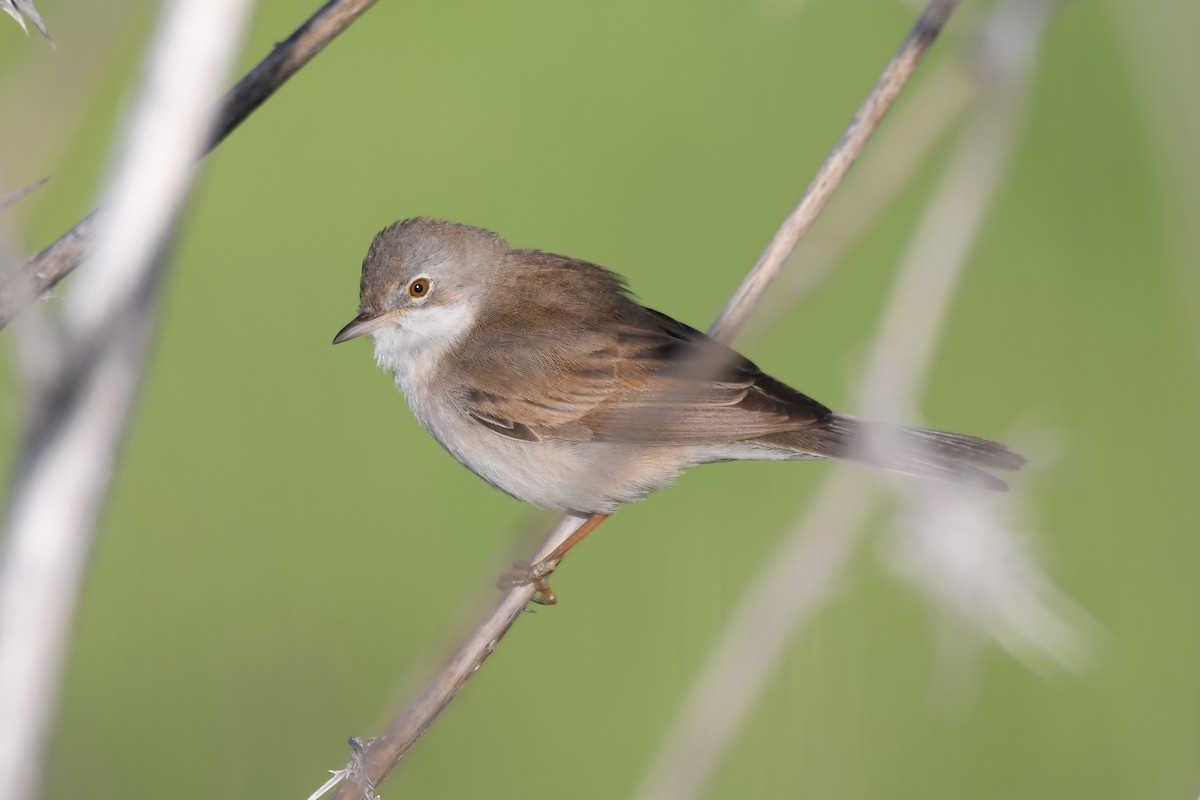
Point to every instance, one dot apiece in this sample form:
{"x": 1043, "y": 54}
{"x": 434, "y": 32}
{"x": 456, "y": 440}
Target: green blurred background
{"x": 287, "y": 554}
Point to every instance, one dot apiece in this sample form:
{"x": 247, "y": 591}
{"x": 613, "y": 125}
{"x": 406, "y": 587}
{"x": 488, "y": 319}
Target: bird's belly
{"x": 587, "y": 477}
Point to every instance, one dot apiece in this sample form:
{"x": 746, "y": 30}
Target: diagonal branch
{"x": 836, "y": 165}
{"x": 43, "y": 272}
{"x": 19, "y": 9}
{"x": 67, "y": 456}
{"x": 796, "y": 579}
{"x": 382, "y": 754}
{"x": 91, "y": 365}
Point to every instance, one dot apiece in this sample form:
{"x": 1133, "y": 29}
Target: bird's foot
{"x": 525, "y": 574}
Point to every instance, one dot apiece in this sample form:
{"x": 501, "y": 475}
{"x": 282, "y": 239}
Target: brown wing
{"x": 640, "y": 377}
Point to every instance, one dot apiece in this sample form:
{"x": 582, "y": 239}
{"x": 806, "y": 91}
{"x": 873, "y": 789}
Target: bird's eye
{"x": 418, "y": 288}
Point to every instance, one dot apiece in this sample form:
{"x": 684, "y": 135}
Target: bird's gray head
{"x": 419, "y": 265}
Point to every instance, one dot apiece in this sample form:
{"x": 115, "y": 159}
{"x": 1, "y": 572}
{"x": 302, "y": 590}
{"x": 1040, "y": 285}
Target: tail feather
{"x": 954, "y": 457}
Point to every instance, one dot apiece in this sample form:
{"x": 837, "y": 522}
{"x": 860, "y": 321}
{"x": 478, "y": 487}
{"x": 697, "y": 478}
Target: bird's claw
{"x": 525, "y": 574}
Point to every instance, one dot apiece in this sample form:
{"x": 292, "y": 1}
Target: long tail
{"x": 953, "y": 457}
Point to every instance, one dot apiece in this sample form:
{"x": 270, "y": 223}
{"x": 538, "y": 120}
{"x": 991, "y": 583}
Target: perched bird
{"x": 544, "y": 377}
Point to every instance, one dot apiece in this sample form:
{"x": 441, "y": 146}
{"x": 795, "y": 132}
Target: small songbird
{"x": 545, "y": 378}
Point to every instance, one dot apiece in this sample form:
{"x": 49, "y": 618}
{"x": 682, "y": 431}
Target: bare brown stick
{"x": 43, "y": 272}
{"x": 836, "y": 165}
{"x": 18, "y": 10}
{"x": 283, "y": 62}
{"x": 383, "y": 753}
{"x": 375, "y": 760}
{"x": 7, "y": 200}
{"x": 914, "y": 131}
{"x": 84, "y": 403}
{"x": 797, "y": 578}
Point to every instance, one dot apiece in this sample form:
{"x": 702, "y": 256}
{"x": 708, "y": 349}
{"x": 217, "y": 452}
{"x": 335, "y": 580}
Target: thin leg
{"x": 525, "y": 574}
{"x": 547, "y": 564}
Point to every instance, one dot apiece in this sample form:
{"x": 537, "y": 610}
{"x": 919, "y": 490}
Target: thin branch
{"x": 796, "y": 580}
{"x": 836, "y": 165}
{"x": 43, "y": 272}
{"x": 376, "y": 759}
{"x": 914, "y": 130}
{"x": 284, "y": 61}
{"x": 19, "y": 9}
{"x": 68, "y": 455}
{"x": 7, "y": 200}
{"x": 383, "y": 753}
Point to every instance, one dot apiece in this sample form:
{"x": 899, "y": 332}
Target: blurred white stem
{"x": 798, "y": 577}
{"x": 961, "y": 548}
{"x": 793, "y": 584}
{"x": 949, "y": 228}
{"x": 70, "y": 450}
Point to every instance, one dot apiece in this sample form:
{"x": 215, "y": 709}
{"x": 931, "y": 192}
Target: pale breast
{"x": 568, "y": 475}
{"x": 571, "y": 476}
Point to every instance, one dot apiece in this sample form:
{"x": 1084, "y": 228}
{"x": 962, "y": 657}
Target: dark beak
{"x": 363, "y": 323}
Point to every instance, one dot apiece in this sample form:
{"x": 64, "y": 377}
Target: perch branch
{"x": 383, "y": 753}
{"x": 836, "y": 165}
{"x": 796, "y": 579}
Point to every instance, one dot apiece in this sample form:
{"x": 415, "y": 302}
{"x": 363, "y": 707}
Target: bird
{"x": 544, "y": 376}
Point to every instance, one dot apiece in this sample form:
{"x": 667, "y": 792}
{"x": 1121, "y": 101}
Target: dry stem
{"x": 386, "y": 751}
{"x": 796, "y": 579}
{"x": 84, "y": 404}
{"x": 90, "y": 365}
{"x": 836, "y": 165}
{"x": 43, "y": 272}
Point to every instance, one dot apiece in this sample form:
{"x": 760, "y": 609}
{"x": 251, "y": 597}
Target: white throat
{"x": 414, "y": 345}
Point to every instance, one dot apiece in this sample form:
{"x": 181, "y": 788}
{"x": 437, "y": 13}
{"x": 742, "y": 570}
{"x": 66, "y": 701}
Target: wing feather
{"x": 647, "y": 378}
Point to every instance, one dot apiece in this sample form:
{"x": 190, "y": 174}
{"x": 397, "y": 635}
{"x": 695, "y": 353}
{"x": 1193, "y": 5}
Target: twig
{"x": 914, "y": 130}
{"x": 385, "y": 752}
{"x": 836, "y": 165}
{"x": 47, "y": 268}
{"x": 19, "y": 9}
{"x": 7, "y": 200}
{"x": 284, "y": 61}
{"x": 796, "y": 580}
{"x": 67, "y": 456}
